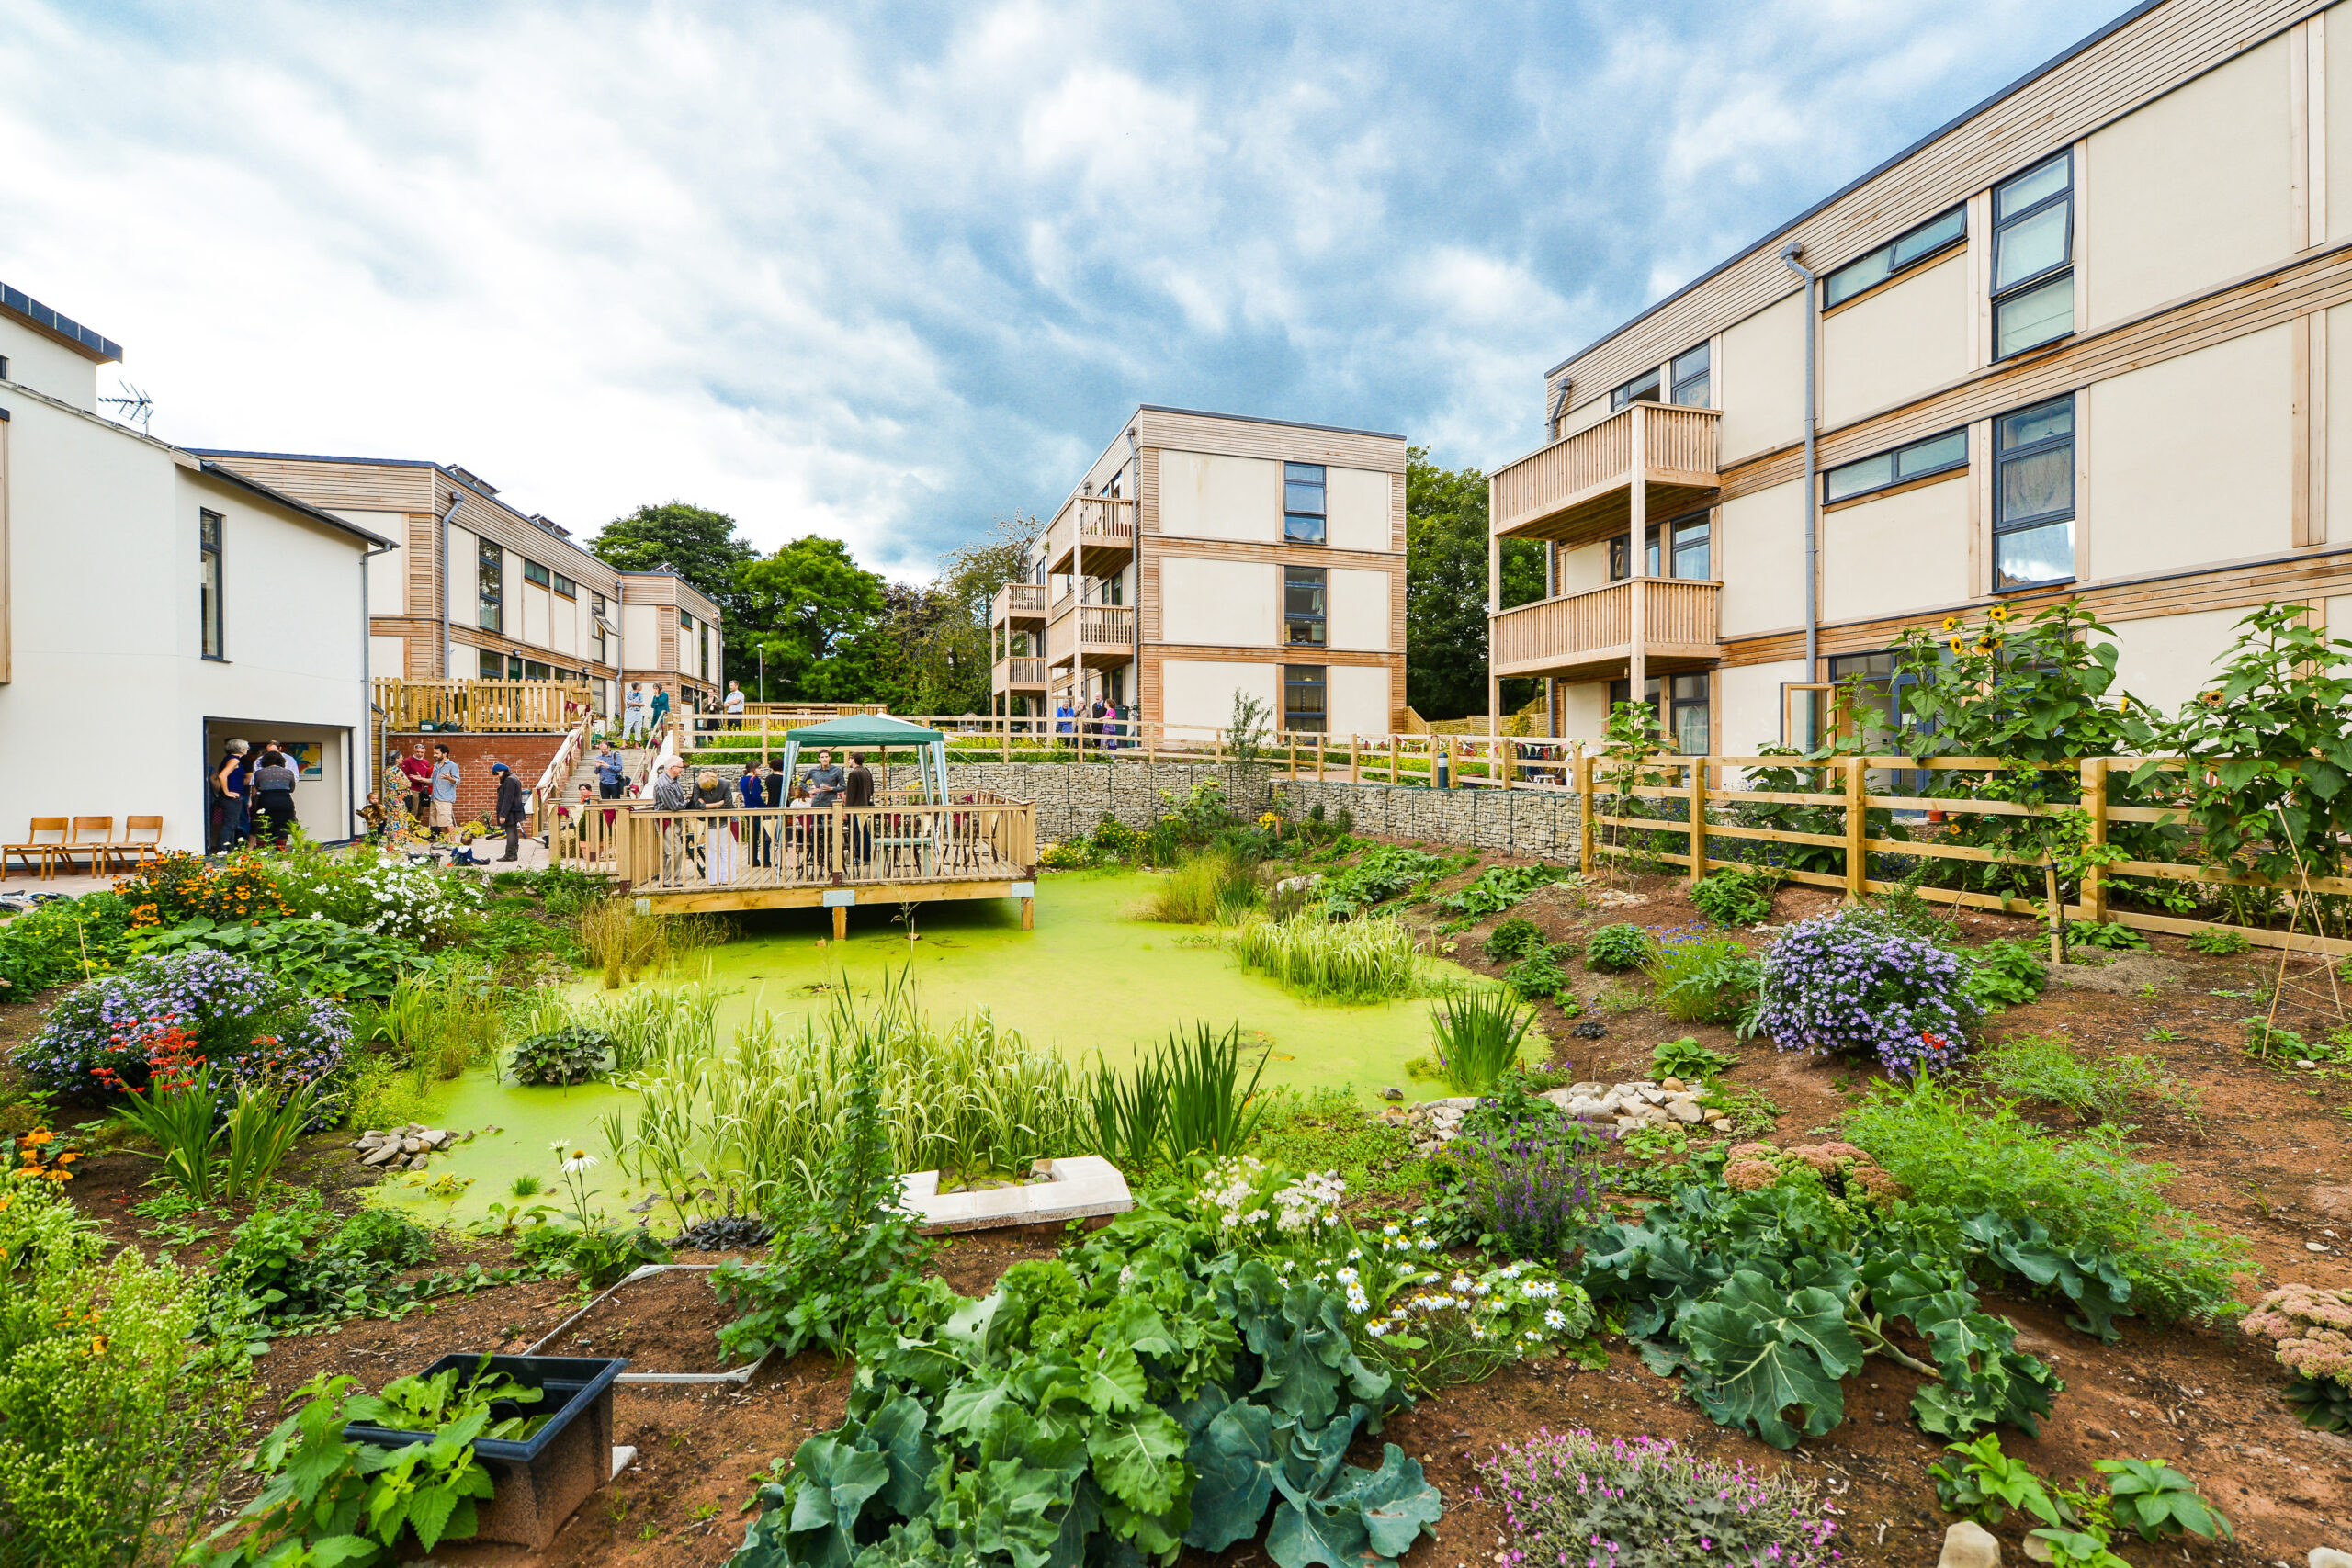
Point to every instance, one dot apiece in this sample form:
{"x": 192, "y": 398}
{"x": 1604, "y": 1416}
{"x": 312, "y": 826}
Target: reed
{"x": 1185, "y": 1098}
{"x": 1476, "y": 1032}
{"x": 1370, "y": 960}
{"x": 622, "y": 943}
{"x": 1207, "y": 888}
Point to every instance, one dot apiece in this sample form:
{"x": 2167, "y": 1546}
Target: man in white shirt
{"x": 633, "y": 713}
{"x": 734, "y": 704}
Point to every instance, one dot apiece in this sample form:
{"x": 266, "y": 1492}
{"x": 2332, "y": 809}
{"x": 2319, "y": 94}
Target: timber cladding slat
{"x": 1238, "y": 437}
{"x": 2140, "y": 61}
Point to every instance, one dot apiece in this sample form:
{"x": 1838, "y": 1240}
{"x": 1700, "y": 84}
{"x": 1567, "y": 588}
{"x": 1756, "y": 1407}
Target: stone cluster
{"x": 1667, "y": 1102}
{"x": 403, "y": 1148}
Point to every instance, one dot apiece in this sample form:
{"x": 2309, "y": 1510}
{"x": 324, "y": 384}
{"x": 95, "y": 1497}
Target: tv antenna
{"x": 137, "y": 407}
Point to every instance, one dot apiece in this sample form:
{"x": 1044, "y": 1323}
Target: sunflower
{"x": 1958, "y": 647}
{"x": 1998, "y": 613}
{"x": 1985, "y": 644}
{"x": 1951, "y": 622}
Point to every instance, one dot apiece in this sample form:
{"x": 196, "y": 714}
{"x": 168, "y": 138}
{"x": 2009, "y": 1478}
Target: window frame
{"x": 565, "y": 587}
{"x": 1622, "y": 398}
{"x": 484, "y": 661}
{"x": 1830, "y": 300}
{"x": 1895, "y": 475}
{"x": 534, "y": 572}
{"x": 1660, "y": 547}
{"x": 2011, "y": 293}
{"x": 2069, "y": 515}
{"x": 490, "y": 586}
{"x": 1319, "y": 619}
{"x": 1668, "y": 706}
{"x": 1321, "y": 684}
{"x": 212, "y": 634}
{"x": 1322, "y": 518}
{"x": 1676, "y": 380}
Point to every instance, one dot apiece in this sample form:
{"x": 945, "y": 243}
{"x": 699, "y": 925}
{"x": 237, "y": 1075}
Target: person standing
{"x": 857, "y": 793}
{"x": 273, "y": 784}
{"x": 418, "y": 771}
{"x": 734, "y": 704}
{"x": 443, "y": 789}
{"x": 755, "y": 799}
{"x": 659, "y": 711}
{"x": 825, "y": 785}
{"x": 671, "y": 792}
{"x": 229, "y": 781}
{"x": 609, "y": 772}
{"x": 633, "y": 713}
{"x": 508, "y": 811}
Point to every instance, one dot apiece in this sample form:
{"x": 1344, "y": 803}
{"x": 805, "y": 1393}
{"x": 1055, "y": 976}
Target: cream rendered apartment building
{"x": 1205, "y": 554}
{"x": 2080, "y": 343}
{"x": 478, "y": 590}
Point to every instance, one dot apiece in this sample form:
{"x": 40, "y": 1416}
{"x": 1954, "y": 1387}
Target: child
{"x": 374, "y": 816}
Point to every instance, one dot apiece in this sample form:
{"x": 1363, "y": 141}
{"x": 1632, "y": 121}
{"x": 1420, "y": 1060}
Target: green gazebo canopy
{"x": 875, "y": 732}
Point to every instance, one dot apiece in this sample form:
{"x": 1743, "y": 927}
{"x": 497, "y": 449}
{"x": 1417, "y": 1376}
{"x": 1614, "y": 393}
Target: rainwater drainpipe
{"x": 455, "y": 495}
{"x": 1789, "y": 253}
{"x": 377, "y": 732}
{"x": 1134, "y": 605}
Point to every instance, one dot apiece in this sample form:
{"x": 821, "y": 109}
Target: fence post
{"x": 1586, "y": 854}
{"x": 2095, "y": 801}
{"x": 1857, "y": 870}
{"x": 1294, "y": 756}
{"x": 1697, "y": 820}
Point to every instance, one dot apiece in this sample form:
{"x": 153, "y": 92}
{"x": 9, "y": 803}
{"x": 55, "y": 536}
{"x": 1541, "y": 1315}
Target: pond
{"x": 1089, "y": 978}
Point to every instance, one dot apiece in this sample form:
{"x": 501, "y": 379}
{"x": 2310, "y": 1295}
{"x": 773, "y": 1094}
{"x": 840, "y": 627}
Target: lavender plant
{"x": 1641, "y": 1502}
{"x": 1851, "y": 982}
{"x": 1532, "y": 1190}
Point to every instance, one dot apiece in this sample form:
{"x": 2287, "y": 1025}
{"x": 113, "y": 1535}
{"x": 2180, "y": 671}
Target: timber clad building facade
{"x": 2078, "y": 343}
{"x": 1203, "y": 555}
{"x": 508, "y": 594}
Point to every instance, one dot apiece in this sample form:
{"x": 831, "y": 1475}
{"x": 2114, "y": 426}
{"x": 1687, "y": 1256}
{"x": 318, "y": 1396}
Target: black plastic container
{"x": 540, "y": 1481}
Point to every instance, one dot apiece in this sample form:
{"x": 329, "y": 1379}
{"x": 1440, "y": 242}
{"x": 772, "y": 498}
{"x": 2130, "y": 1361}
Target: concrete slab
{"x": 1078, "y": 1189}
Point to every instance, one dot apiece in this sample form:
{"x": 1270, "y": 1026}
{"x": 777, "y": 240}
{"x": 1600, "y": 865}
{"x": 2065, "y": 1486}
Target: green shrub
{"x": 1063, "y": 857}
{"x": 1498, "y": 888}
{"x": 1478, "y": 1032}
{"x": 575, "y": 1054}
{"x": 1688, "y": 1060}
{"x": 1735, "y": 896}
{"x": 2221, "y": 941}
{"x": 2007, "y": 973}
{"x": 322, "y": 957}
{"x": 1370, "y": 960}
{"x": 1704, "y": 979}
{"x": 2088, "y": 1189}
{"x": 1514, "y": 938}
{"x": 384, "y": 1094}
{"x": 1113, "y": 840}
{"x": 2048, "y": 1067}
{"x": 63, "y": 941}
{"x": 2112, "y": 935}
{"x": 1385, "y": 871}
{"x": 1613, "y": 949}
{"x": 1540, "y": 978}
{"x": 117, "y": 1426}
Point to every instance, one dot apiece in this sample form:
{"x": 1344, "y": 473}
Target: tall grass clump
{"x": 1187, "y": 1098}
{"x": 1476, "y": 1032}
{"x": 621, "y": 942}
{"x": 756, "y": 1117}
{"x": 1372, "y": 960}
{"x": 1704, "y": 976}
{"x": 1215, "y": 885}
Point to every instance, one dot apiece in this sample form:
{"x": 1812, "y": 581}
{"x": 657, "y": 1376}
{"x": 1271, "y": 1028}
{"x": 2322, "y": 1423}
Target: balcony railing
{"x": 1581, "y": 488}
{"x": 1588, "y": 636}
{"x": 1093, "y": 633}
{"x": 1018, "y": 602}
{"x": 517, "y": 706}
{"x": 1091, "y": 536}
{"x": 1012, "y": 673}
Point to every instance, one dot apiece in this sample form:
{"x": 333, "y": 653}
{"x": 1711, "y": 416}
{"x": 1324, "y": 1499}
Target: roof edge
{"x": 1283, "y": 423}
{"x": 244, "y": 481}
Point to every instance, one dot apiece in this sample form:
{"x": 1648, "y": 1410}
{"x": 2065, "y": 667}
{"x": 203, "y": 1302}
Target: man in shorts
{"x": 445, "y": 790}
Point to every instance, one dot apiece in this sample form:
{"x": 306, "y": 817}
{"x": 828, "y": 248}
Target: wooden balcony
{"x": 1017, "y": 602}
{"x": 1589, "y": 636}
{"x": 484, "y": 707}
{"x": 1098, "y": 635}
{"x": 1582, "y": 488}
{"x": 1093, "y": 536}
{"x": 1018, "y": 674}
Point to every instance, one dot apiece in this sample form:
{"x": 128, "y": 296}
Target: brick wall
{"x": 528, "y": 755}
{"x": 1540, "y": 823}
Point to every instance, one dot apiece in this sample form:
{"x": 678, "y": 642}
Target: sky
{"x": 887, "y": 272}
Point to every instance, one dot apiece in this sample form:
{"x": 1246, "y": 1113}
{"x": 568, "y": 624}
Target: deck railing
{"x": 1677, "y": 616}
{"x": 494, "y": 706}
{"x": 1019, "y": 670}
{"x": 1023, "y": 601}
{"x": 1678, "y": 448}
{"x": 986, "y": 839}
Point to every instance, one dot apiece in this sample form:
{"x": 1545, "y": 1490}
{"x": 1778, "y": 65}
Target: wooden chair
{"x": 36, "y": 845}
{"x": 141, "y": 841}
{"x": 92, "y": 839}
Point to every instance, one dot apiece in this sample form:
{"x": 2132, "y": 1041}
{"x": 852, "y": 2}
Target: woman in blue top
{"x": 755, "y": 798}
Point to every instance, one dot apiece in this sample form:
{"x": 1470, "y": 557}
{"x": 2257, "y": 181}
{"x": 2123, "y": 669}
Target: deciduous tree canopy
{"x": 1445, "y": 543}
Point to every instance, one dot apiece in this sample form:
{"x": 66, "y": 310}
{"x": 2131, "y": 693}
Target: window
{"x": 1691, "y": 555}
{"x": 2033, "y": 252}
{"x": 1303, "y": 508}
{"x": 1690, "y": 372}
{"x": 1303, "y": 706}
{"x": 494, "y": 665}
{"x": 565, "y": 587}
{"x": 1303, "y": 621}
{"x": 533, "y": 669}
{"x": 1936, "y": 455}
{"x": 2034, "y": 495}
{"x": 1936, "y": 236}
{"x": 207, "y": 593}
{"x": 534, "y": 572}
{"x": 1685, "y": 719}
{"x": 490, "y": 576}
{"x": 596, "y": 613}
{"x": 1641, "y": 388}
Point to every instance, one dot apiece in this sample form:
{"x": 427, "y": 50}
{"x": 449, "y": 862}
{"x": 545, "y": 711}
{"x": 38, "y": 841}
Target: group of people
{"x": 423, "y": 790}
{"x": 711, "y": 849}
{"x": 253, "y": 795}
{"x": 1099, "y": 720}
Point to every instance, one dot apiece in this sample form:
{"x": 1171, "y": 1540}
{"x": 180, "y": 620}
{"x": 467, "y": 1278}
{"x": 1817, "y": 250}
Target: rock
{"x": 1588, "y": 1090}
{"x": 1710, "y": 1113}
{"x": 1654, "y": 1094}
{"x": 383, "y": 1155}
{"x": 1682, "y": 1111}
{"x": 2038, "y": 1550}
{"x": 1392, "y": 1092}
{"x": 2314, "y": 1246}
{"x": 2329, "y": 1557}
{"x": 1675, "y": 1085}
{"x": 1591, "y": 1029}
{"x": 1456, "y": 1102}
{"x": 1970, "y": 1545}
{"x": 412, "y": 1145}
{"x": 2308, "y": 1066}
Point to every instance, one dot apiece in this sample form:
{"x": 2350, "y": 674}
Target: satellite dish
{"x": 137, "y": 407}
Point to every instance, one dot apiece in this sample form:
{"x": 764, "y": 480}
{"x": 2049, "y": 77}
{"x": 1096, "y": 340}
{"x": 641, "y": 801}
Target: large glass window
{"x": 1303, "y": 511}
{"x": 1302, "y": 617}
{"x": 2033, "y": 249}
{"x": 1684, "y": 721}
{"x": 1690, "y": 371}
{"x": 1641, "y": 388}
{"x": 1936, "y": 455}
{"x": 490, "y": 577}
{"x": 1303, "y": 706}
{"x": 1937, "y": 234}
{"x": 492, "y": 665}
{"x": 2034, "y": 495}
{"x": 208, "y": 544}
{"x": 1690, "y": 541}
{"x": 565, "y": 587}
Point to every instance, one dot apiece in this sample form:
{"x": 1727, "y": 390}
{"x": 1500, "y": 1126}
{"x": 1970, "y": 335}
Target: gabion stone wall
{"x": 1538, "y": 822}
{"x": 1072, "y": 796}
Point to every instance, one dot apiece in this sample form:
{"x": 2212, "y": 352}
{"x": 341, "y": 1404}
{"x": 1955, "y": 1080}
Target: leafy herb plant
{"x": 1613, "y": 949}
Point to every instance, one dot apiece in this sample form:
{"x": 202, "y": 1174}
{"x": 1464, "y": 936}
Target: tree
{"x": 802, "y": 609}
{"x": 1445, "y": 591}
{"x": 699, "y": 544}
